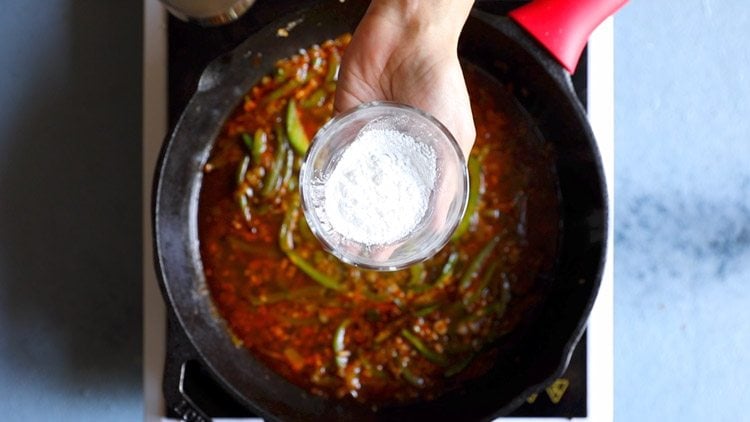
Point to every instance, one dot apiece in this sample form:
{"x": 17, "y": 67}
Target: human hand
{"x": 406, "y": 51}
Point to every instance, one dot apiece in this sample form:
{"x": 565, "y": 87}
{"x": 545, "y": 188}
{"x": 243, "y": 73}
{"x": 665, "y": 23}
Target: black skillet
{"x": 539, "y": 352}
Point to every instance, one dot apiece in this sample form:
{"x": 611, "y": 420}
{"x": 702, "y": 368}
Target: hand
{"x": 406, "y": 51}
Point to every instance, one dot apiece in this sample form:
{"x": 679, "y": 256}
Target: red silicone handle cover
{"x": 563, "y": 26}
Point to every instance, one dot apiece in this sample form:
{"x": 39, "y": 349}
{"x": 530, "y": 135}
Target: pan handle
{"x": 563, "y": 26}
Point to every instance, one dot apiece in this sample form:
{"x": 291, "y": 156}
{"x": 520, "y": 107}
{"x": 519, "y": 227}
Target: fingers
{"x": 351, "y": 92}
{"x": 448, "y": 102}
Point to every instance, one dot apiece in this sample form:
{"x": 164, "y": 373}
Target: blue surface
{"x": 70, "y": 292}
{"x": 682, "y": 213}
{"x": 70, "y": 210}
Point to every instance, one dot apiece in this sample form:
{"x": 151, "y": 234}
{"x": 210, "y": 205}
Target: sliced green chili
{"x": 271, "y": 181}
{"x": 307, "y": 268}
{"x": 425, "y": 351}
{"x": 315, "y": 99}
{"x": 383, "y": 336}
{"x": 283, "y": 90}
{"x": 280, "y": 76}
{"x": 259, "y": 146}
{"x": 242, "y": 170}
{"x": 317, "y": 62}
{"x": 411, "y": 378}
{"x": 340, "y": 353}
{"x": 372, "y": 315}
{"x": 288, "y": 169}
{"x": 297, "y": 136}
{"x": 477, "y": 263}
{"x": 304, "y": 230}
{"x": 286, "y": 245}
{"x": 286, "y": 242}
{"x": 375, "y": 297}
{"x": 494, "y": 308}
{"x": 292, "y": 185}
{"x": 248, "y": 141}
{"x": 426, "y": 310}
{"x": 417, "y": 274}
{"x": 286, "y": 295}
{"x": 244, "y": 206}
{"x": 475, "y": 186}
{"x": 459, "y": 347}
{"x": 374, "y": 370}
{"x": 447, "y": 271}
{"x": 239, "y": 244}
{"x": 458, "y": 366}
{"x": 482, "y": 284}
{"x": 333, "y": 67}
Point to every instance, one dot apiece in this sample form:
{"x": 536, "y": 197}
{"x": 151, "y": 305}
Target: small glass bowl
{"x": 446, "y": 204}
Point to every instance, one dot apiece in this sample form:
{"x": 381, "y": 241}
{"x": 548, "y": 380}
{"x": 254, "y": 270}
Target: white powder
{"x": 379, "y": 190}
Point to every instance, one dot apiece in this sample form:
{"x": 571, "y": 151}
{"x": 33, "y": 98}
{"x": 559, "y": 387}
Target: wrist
{"x": 429, "y": 19}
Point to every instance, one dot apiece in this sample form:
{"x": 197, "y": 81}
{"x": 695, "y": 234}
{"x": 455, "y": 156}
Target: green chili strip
{"x": 307, "y": 268}
{"x": 475, "y": 186}
{"x": 304, "y": 230}
{"x": 375, "y": 297}
{"x": 242, "y": 170}
{"x": 411, "y": 378}
{"x": 417, "y": 274}
{"x": 456, "y": 347}
{"x": 248, "y": 141}
{"x": 271, "y": 181}
{"x": 372, "y": 315}
{"x": 244, "y": 206}
{"x": 286, "y": 245}
{"x": 283, "y": 90}
{"x": 333, "y": 67}
{"x": 239, "y": 244}
{"x": 280, "y": 75}
{"x": 477, "y": 263}
{"x": 285, "y": 239}
{"x": 494, "y": 308}
{"x": 425, "y": 351}
{"x": 297, "y": 136}
{"x": 447, "y": 271}
{"x": 373, "y": 369}
{"x": 288, "y": 169}
{"x": 426, "y": 310}
{"x": 383, "y": 335}
{"x": 317, "y": 63}
{"x": 458, "y": 366}
{"x": 286, "y": 295}
{"x": 259, "y": 146}
{"x": 340, "y": 354}
{"x": 482, "y": 284}
{"x": 315, "y": 99}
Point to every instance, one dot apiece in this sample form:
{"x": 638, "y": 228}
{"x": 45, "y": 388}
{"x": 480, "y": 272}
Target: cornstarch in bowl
{"x": 383, "y": 186}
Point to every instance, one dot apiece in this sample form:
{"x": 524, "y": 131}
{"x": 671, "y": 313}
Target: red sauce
{"x": 377, "y": 337}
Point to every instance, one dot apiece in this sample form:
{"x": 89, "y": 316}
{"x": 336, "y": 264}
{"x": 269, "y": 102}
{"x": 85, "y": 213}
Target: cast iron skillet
{"x": 537, "y": 354}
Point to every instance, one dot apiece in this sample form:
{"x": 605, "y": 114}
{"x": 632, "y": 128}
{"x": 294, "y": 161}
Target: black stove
{"x": 190, "y": 391}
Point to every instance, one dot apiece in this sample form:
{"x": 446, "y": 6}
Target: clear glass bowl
{"x": 446, "y": 204}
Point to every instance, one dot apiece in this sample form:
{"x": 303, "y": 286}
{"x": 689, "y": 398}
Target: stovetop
{"x": 190, "y": 392}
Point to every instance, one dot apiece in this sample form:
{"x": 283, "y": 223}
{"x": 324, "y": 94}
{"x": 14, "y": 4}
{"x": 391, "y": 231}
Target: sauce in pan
{"x": 337, "y": 330}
